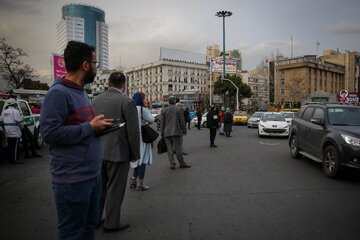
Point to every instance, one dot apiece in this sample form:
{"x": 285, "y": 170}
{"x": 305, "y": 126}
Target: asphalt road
{"x": 247, "y": 188}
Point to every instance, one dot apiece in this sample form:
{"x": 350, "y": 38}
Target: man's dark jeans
{"x": 77, "y": 207}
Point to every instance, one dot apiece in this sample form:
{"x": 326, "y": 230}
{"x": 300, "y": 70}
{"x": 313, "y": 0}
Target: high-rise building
{"x": 84, "y": 23}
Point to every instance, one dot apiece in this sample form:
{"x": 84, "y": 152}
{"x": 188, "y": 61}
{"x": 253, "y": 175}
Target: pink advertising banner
{"x": 59, "y": 69}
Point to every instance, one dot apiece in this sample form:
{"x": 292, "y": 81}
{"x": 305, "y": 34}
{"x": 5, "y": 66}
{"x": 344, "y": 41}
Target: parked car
{"x": 154, "y": 112}
{"x": 31, "y": 120}
{"x": 254, "y": 119}
{"x": 194, "y": 121}
{"x": 273, "y": 124}
{"x": 240, "y": 117}
{"x": 288, "y": 116}
{"x": 327, "y": 133}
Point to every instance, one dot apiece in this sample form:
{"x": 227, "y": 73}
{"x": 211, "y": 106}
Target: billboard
{"x": 217, "y": 65}
{"x": 58, "y": 66}
{"x": 351, "y": 98}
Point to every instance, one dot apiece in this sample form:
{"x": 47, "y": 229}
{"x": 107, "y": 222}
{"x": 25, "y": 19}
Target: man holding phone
{"x": 69, "y": 127}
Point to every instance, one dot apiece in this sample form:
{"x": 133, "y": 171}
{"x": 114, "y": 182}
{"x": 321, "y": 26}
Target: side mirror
{"x": 318, "y": 121}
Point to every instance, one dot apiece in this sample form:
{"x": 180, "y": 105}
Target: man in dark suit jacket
{"x": 212, "y": 119}
{"x": 120, "y": 147}
{"x": 172, "y": 128}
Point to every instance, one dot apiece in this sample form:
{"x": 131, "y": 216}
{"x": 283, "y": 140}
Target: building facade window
{"x": 282, "y": 81}
{"x": 282, "y": 91}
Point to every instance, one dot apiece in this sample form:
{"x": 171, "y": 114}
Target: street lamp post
{"x": 223, "y": 14}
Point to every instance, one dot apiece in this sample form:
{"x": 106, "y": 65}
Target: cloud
{"x": 253, "y": 54}
{"x": 23, "y": 6}
{"x": 344, "y": 27}
{"x": 137, "y": 40}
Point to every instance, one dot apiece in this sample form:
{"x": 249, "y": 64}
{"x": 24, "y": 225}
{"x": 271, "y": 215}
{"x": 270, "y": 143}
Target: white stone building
{"x": 175, "y": 73}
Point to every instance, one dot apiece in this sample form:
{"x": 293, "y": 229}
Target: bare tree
{"x": 12, "y": 69}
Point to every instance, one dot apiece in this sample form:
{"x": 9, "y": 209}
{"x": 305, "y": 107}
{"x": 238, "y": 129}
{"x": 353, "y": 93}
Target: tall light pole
{"x": 224, "y": 14}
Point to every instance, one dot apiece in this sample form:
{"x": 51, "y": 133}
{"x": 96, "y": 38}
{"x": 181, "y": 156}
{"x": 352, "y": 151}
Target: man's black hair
{"x": 76, "y": 53}
{"x": 117, "y": 79}
{"x": 177, "y": 100}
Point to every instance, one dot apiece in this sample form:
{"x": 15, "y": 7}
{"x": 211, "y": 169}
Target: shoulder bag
{"x": 148, "y": 134}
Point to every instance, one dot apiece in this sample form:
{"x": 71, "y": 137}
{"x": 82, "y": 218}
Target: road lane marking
{"x": 268, "y": 143}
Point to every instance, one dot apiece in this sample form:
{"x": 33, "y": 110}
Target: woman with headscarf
{"x": 144, "y": 117}
{"x": 228, "y": 120}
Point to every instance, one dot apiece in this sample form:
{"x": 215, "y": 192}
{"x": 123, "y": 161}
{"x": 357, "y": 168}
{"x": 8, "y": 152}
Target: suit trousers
{"x": 114, "y": 180}
{"x": 212, "y": 135}
{"x": 174, "y": 141}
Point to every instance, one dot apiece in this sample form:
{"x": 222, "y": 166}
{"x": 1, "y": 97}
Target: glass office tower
{"x": 84, "y": 23}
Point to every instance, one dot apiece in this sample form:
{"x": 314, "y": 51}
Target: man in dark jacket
{"x": 69, "y": 127}
{"x": 199, "y": 115}
{"x": 213, "y": 124}
{"x": 172, "y": 128}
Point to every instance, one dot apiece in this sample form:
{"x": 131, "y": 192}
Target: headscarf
{"x": 139, "y": 99}
{"x": 228, "y": 110}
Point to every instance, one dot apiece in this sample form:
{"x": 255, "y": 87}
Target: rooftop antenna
{"x": 291, "y": 47}
{"x": 317, "y": 47}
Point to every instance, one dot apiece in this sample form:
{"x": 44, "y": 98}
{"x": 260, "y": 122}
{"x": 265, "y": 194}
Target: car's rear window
{"x": 344, "y": 116}
{"x": 240, "y": 114}
{"x": 288, "y": 115}
{"x": 257, "y": 114}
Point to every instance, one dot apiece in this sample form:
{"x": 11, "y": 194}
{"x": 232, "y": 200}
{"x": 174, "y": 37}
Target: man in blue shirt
{"x": 69, "y": 127}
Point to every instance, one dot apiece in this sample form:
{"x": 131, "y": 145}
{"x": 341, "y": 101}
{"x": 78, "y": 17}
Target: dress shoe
{"x": 120, "y": 228}
{"x": 172, "y": 166}
{"x": 185, "y": 165}
{"x": 184, "y": 153}
{"x": 100, "y": 223}
{"x": 213, "y": 146}
{"x": 36, "y": 155}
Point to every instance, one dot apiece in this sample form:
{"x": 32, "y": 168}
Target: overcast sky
{"x": 138, "y": 28}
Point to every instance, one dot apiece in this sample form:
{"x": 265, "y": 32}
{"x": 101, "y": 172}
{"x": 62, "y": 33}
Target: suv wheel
{"x": 331, "y": 162}
{"x": 294, "y": 147}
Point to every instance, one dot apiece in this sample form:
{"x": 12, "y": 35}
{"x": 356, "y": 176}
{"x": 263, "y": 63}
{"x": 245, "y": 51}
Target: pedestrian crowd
{"x": 93, "y": 146}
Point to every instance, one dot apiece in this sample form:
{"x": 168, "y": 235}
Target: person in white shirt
{"x": 13, "y": 124}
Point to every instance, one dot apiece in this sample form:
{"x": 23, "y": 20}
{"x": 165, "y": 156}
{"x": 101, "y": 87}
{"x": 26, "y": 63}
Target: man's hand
{"x": 99, "y": 123}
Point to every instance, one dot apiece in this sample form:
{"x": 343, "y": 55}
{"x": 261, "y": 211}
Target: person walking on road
{"x": 69, "y": 126}
{"x": 199, "y": 115}
{"x": 187, "y": 117}
{"x": 213, "y": 124}
{"x": 120, "y": 148}
{"x": 13, "y": 123}
{"x": 228, "y": 121}
{"x": 172, "y": 128}
{"x": 222, "y": 113}
{"x": 144, "y": 117}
